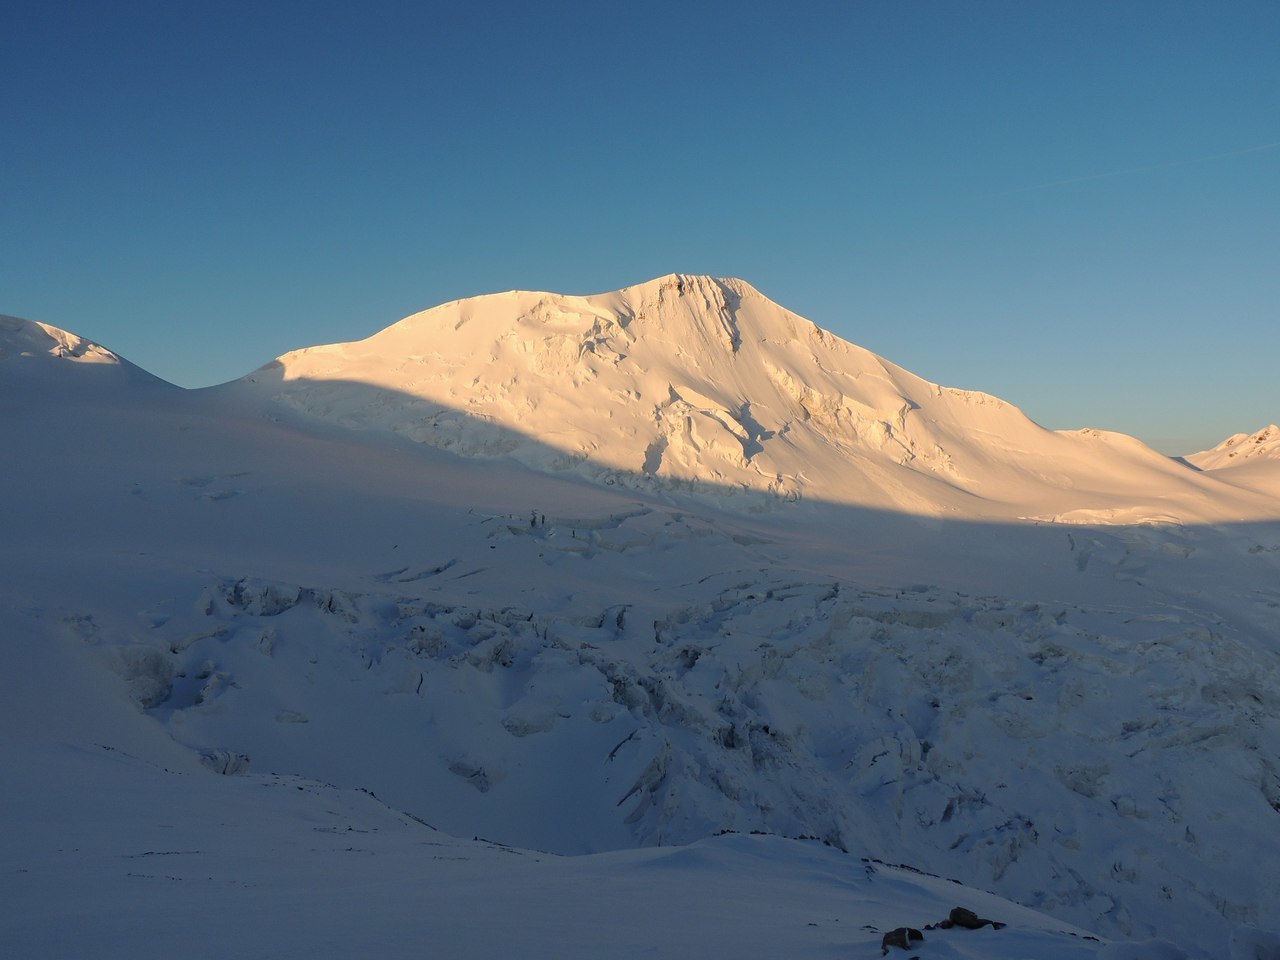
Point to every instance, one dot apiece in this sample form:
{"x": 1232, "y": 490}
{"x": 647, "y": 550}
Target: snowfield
{"x": 699, "y": 616}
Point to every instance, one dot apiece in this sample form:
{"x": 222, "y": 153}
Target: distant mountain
{"x": 1239, "y": 449}
{"x": 697, "y": 383}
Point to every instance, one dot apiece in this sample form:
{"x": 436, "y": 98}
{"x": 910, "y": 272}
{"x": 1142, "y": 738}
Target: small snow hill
{"x": 691, "y": 383}
{"x": 31, "y": 339}
{"x": 34, "y": 352}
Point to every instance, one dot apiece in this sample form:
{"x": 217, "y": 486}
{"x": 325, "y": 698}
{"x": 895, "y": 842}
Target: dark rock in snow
{"x": 904, "y": 937}
{"x": 966, "y": 918}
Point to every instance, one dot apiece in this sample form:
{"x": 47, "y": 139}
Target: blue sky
{"x": 1072, "y": 205}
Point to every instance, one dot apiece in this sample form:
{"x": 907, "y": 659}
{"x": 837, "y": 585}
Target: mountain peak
{"x": 1240, "y": 448}
{"x": 693, "y": 283}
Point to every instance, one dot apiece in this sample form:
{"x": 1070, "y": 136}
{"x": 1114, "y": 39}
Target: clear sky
{"x": 1073, "y": 205}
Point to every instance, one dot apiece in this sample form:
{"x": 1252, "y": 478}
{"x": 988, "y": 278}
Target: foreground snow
{"x": 126, "y": 842}
{"x": 1077, "y": 711}
{"x": 283, "y": 867}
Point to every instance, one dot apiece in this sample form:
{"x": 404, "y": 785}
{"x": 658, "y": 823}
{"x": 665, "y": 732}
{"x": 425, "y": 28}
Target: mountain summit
{"x": 704, "y": 384}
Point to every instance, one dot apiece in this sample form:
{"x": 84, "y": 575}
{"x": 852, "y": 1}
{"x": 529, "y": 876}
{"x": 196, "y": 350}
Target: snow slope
{"x": 1081, "y": 717}
{"x": 690, "y": 381}
{"x": 280, "y": 867}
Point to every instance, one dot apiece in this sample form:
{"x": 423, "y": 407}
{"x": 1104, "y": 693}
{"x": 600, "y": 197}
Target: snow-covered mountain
{"x": 1239, "y": 449}
{"x": 1249, "y": 461}
{"x": 704, "y": 383}
{"x": 1082, "y": 716}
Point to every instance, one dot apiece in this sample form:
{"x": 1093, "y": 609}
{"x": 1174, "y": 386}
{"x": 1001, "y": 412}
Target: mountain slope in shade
{"x": 119, "y": 838}
{"x": 690, "y": 382}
